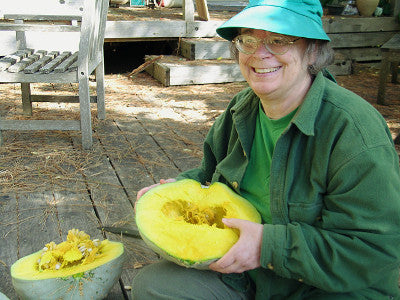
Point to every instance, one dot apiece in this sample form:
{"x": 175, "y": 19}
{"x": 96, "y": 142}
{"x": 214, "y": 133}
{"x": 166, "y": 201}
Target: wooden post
{"x": 188, "y": 10}
{"x": 396, "y": 9}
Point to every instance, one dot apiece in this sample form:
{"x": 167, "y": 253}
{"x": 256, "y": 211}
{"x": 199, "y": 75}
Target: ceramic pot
{"x": 118, "y": 2}
{"x": 367, "y": 7}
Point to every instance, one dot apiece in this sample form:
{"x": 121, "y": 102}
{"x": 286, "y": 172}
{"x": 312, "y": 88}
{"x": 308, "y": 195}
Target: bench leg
{"x": 84, "y": 106}
{"x": 385, "y": 66}
{"x": 395, "y": 71}
{"x": 26, "y": 99}
{"x": 397, "y": 139}
{"x": 100, "y": 90}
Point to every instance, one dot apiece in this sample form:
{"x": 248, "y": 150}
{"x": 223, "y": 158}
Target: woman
{"x": 317, "y": 162}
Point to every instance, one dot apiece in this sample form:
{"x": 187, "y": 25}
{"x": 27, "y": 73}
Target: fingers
{"x": 146, "y": 189}
{"x": 245, "y": 254}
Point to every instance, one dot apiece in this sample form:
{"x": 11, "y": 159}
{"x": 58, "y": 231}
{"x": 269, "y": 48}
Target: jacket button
{"x": 270, "y": 266}
{"x": 300, "y": 279}
{"x": 235, "y": 184}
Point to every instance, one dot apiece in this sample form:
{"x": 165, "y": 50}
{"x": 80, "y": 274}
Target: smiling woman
{"x": 315, "y": 160}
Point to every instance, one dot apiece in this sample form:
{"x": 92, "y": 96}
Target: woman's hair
{"x": 320, "y": 52}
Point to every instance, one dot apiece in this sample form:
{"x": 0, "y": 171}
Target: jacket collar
{"x": 305, "y": 116}
{"x": 307, "y": 113}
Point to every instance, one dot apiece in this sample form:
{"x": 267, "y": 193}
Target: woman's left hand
{"x": 245, "y": 254}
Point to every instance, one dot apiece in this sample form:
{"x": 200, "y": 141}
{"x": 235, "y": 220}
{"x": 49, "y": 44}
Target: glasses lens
{"x": 246, "y": 44}
{"x": 277, "y": 45}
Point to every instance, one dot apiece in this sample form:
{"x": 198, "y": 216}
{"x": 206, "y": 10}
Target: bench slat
{"x": 33, "y": 68}
{"x": 64, "y": 66}
{"x": 55, "y": 62}
{"x": 19, "y": 66}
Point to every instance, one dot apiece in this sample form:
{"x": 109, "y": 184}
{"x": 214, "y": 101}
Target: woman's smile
{"x": 265, "y": 70}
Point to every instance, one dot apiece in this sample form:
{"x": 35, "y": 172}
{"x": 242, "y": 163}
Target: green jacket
{"x": 335, "y": 196}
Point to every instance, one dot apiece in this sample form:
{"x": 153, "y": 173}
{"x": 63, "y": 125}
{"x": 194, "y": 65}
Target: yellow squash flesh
{"x": 182, "y": 221}
{"x": 36, "y": 276}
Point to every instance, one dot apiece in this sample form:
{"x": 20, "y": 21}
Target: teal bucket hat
{"x": 301, "y": 18}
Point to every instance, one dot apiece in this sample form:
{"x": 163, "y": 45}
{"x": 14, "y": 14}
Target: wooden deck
{"x": 49, "y": 185}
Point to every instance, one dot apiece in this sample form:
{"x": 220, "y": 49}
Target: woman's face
{"x": 275, "y": 76}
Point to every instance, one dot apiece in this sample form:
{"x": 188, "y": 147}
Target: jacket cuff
{"x": 273, "y": 252}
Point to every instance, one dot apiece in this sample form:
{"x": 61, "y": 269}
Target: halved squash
{"x": 182, "y": 221}
{"x": 77, "y": 268}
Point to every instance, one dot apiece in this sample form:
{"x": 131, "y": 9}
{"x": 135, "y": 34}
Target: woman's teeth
{"x": 268, "y": 70}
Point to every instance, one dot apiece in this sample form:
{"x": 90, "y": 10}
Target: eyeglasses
{"x": 277, "y": 45}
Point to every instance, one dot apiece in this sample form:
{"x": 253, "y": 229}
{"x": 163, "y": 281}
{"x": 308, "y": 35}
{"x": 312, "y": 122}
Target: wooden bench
{"x": 390, "y": 62}
{"x": 87, "y": 18}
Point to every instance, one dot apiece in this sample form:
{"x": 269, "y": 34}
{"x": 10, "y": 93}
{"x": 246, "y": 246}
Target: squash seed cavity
{"x": 181, "y": 210}
{"x": 77, "y": 249}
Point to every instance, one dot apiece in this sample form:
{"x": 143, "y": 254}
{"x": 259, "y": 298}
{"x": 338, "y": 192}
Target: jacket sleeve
{"x": 357, "y": 238}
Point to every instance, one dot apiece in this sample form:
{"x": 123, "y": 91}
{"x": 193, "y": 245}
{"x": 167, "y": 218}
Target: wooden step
{"x": 205, "y": 48}
{"x": 175, "y": 70}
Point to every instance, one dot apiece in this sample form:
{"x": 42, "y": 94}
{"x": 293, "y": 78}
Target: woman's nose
{"x": 262, "y": 51}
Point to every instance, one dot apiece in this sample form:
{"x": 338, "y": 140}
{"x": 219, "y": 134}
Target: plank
{"x": 361, "y": 54}
{"x": 202, "y": 10}
{"x": 33, "y": 68}
{"x": 66, "y": 63}
{"x": 205, "y": 48}
{"x": 343, "y": 24}
{"x": 19, "y": 66}
{"x": 172, "y": 70}
{"x": 40, "y": 124}
{"x": 113, "y": 202}
{"x": 49, "y": 67}
{"x": 8, "y": 242}
{"x": 340, "y": 67}
{"x": 364, "y": 39}
{"x": 127, "y": 30}
{"x": 148, "y": 162}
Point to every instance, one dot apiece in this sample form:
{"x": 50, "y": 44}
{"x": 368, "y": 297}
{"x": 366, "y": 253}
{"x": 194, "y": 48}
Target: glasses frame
{"x": 264, "y": 41}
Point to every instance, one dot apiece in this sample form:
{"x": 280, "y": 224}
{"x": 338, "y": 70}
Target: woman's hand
{"x": 245, "y": 254}
{"x": 146, "y": 189}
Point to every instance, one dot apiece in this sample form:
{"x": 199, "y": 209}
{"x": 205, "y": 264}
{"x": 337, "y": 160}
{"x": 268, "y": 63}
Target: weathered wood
{"x": 32, "y": 27}
{"x": 174, "y": 71}
{"x": 33, "y": 68}
{"x": 90, "y": 58}
{"x": 9, "y": 248}
{"x": 39, "y": 125}
{"x": 361, "y": 54}
{"x": 54, "y": 63}
{"x": 64, "y": 66}
{"x": 390, "y": 57}
{"x": 340, "y": 66}
{"x": 343, "y": 24}
{"x": 130, "y": 30}
{"x": 202, "y": 10}
{"x": 364, "y": 39}
{"x": 59, "y": 99}
{"x": 21, "y": 65}
{"x": 188, "y": 10}
{"x": 205, "y": 48}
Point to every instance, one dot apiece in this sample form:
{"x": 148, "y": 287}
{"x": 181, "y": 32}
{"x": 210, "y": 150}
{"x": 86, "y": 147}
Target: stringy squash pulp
{"x": 78, "y": 268}
{"x": 182, "y": 221}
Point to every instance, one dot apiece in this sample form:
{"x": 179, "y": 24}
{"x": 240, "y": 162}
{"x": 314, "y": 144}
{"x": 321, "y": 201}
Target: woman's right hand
{"x": 146, "y": 189}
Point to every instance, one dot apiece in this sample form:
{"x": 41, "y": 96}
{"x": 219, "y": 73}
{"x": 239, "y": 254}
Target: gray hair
{"x": 320, "y": 50}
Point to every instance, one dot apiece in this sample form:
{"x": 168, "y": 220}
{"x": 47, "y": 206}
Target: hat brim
{"x": 273, "y": 19}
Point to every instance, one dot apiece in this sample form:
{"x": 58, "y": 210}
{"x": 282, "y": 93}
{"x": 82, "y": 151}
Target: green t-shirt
{"x": 255, "y": 183}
